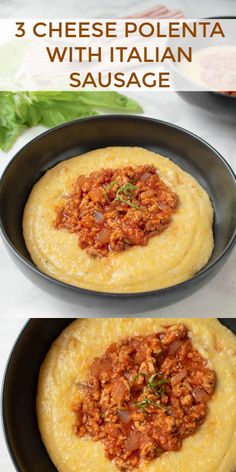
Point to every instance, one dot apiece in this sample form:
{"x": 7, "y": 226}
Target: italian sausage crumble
{"x": 144, "y": 396}
{"x": 113, "y": 209}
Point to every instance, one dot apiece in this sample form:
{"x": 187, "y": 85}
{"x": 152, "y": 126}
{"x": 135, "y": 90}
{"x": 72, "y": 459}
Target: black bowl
{"x": 19, "y": 393}
{"x": 216, "y": 104}
{"x": 189, "y": 151}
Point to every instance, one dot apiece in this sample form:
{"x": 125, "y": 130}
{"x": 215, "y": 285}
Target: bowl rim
{"x": 6, "y": 434}
{"x": 173, "y": 288}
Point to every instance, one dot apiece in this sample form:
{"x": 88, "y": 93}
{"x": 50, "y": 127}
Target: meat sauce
{"x": 144, "y": 396}
{"x": 113, "y": 209}
{"x": 232, "y": 94}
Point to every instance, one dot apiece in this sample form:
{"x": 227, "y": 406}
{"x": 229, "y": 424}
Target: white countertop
{"x": 21, "y": 299}
{"x": 110, "y": 9}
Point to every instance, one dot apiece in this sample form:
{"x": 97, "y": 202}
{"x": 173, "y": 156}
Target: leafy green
{"x": 56, "y": 113}
{"x": 28, "y": 114}
{"x": 10, "y": 129}
{"x": 9, "y": 136}
{"x": 102, "y": 100}
{"x": 22, "y": 110}
{"x": 7, "y": 109}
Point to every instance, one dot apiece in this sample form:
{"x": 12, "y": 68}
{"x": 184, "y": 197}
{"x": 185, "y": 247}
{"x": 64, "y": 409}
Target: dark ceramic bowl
{"x": 216, "y": 104}
{"x": 189, "y": 151}
{"x": 222, "y": 107}
{"x": 19, "y": 393}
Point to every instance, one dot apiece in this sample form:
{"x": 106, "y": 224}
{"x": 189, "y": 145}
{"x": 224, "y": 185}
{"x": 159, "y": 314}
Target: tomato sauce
{"x": 113, "y": 209}
{"x": 144, "y": 396}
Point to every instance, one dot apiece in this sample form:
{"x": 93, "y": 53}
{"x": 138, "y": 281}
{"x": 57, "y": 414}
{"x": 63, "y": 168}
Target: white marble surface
{"x": 110, "y": 8}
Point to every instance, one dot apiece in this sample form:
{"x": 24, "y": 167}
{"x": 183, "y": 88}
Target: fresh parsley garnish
{"x": 127, "y": 189}
{"x": 146, "y": 402}
{"x": 136, "y": 376}
{"x": 152, "y": 383}
{"x": 120, "y": 198}
{"x": 124, "y": 195}
{"x": 110, "y": 185}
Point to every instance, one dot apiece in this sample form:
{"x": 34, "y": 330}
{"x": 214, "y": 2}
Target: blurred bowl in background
{"x": 219, "y": 105}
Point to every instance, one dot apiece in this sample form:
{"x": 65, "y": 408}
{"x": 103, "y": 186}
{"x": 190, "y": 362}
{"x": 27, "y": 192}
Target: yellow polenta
{"x": 169, "y": 258}
{"x": 211, "y": 449}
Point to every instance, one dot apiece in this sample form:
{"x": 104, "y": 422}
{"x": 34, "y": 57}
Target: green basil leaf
{"x": 8, "y": 136}
{"x": 7, "y": 109}
{"x": 28, "y": 109}
{"x": 9, "y": 128}
{"x": 28, "y": 114}
{"x": 104, "y": 100}
{"x": 110, "y": 100}
{"x": 56, "y": 113}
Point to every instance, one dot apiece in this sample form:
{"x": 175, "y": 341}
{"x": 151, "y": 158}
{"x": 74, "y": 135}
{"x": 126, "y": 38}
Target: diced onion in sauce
{"x": 173, "y": 348}
{"x": 119, "y": 391}
{"x": 200, "y": 395}
{"x": 178, "y": 377}
{"x": 124, "y": 416}
{"x": 145, "y": 176}
{"x": 98, "y": 216}
{"x": 133, "y": 441}
{"x": 104, "y": 236}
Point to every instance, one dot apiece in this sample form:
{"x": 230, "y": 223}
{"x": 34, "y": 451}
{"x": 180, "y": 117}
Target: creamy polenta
{"x": 210, "y": 449}
{"x": 171, "y": 257}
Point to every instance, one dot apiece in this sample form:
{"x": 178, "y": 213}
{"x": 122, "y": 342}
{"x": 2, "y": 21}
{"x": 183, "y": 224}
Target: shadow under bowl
{"x": 184, "y": 148}
{"x": 20, "y": 388}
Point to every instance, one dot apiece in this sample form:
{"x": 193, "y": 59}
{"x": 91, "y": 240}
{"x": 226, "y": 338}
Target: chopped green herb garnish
{"x": 127, "y": 189}
{"x": 145, "y": 402}
{"x": 110, "y": 185}
{"x": 159, "y": 392}
{"x": 120, "y": 198}
{"x": 153, "y": 384}
{"x": 136, "y": 376}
